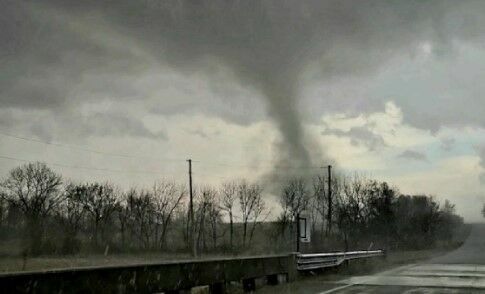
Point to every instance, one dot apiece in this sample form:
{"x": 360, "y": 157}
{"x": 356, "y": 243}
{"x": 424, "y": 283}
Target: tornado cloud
{"x": 266, "y": 45}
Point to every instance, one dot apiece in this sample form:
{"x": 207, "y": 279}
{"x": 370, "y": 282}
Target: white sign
{"x": 305, "y": 230}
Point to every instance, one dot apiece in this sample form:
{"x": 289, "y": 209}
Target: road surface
{"x": 460, "y": 271}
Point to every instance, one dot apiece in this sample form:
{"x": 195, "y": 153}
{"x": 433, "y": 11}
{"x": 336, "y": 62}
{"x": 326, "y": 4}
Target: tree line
{"x": 365, "y": 213}
{"x": 49, "y": 215}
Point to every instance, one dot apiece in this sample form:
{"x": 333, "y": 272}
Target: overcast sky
{"x": 127, "y": 90}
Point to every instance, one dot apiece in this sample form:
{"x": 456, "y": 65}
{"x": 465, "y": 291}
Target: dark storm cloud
{"x": 75, "y": 126}
{"x": 40, "y": 131}
{"x": 220, "y": 97}
{"x": 447, "y": 144}
{"x": 359, "y": 136}
{"x": 414, "y": 155}
{"x": 50, "y": 47}
{"x": 43, "y": 57}
{"x": 118, "y": 125}
{"x": 6, "y": 120}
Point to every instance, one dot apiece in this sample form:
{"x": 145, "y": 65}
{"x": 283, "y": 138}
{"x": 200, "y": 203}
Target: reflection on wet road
{"x": 460, "y": 271}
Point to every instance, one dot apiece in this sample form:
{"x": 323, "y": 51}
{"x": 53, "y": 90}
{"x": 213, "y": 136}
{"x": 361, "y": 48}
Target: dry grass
{"x": 14, "y": 264}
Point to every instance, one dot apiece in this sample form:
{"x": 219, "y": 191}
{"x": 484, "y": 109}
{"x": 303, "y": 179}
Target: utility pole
{"x": 191, "y": 212}
{"x": 329, "y": 211}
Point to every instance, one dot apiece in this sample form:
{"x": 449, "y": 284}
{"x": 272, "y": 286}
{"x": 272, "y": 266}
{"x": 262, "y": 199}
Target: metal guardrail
{"x": 305, "y": 262}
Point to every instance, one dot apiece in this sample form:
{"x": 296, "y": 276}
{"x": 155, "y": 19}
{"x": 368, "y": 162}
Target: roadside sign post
{"x": 304, "y": 228}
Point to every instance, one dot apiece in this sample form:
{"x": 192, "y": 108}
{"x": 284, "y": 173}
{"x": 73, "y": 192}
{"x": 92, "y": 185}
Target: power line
{"x": 258, "y": 165}
{"x": 205, "y": 163}
{"x": 280, "y": 178}
{"x": 86, "y": 149}
{"x": 264, "y": 177}
{"x": 86, "y": 168}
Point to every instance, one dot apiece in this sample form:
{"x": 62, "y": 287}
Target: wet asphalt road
{"x": 460, "y": 271}
{"x": 471, "y": 252}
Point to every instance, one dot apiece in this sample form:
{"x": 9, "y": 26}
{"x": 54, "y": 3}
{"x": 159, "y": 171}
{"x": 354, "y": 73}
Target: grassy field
{"x": 17, "y": 263}
{"x": 11, "y": 259}
{"x": 14, "y": 264}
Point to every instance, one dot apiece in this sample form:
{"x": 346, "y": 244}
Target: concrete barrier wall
{"x": 151, "y": 278}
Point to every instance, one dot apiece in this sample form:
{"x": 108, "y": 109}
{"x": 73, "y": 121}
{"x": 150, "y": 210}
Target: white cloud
{"x": 452, "y": 178}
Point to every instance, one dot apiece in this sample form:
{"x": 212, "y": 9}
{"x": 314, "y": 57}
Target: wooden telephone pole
{"x": 329, "y": 211}
{"x": 191, "y": 213}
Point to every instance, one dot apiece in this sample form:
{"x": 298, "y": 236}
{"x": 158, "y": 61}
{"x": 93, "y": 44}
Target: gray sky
{"x": 127, "y": 90}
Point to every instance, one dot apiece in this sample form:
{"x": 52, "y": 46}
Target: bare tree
{"x": 295, "y": 197}
{"x": 214, "y": 216}
{"x": 100, "y": 202}
{"x": 364, "y": 208}
{"x": 123, "y": 213}
{"x": 258, "y": 212}
{"x": 167, "y": 196}
{"x": 206, "y": 200}
{"x": 34, "y": 188}
{"x": 229, "y": 195}
{"x": 249, "y": 195}
{"x": 141, "y": 207}
{"x": 319, "y": 205}
{"x": 3, "y": 210}
{"x": 345, "y": 216}
{"x": 71, "y": 214}
{"x": 200, "y": 214}
{"x": 351, "y": 206}
{"x": 181, "y": 221}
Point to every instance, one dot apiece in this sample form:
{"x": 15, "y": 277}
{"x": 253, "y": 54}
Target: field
{"x": 14, "y": 262}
